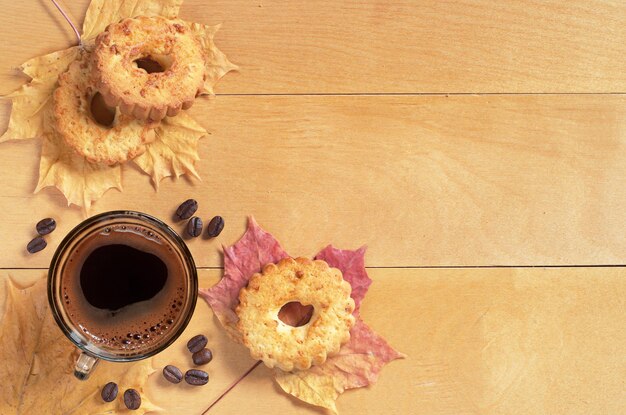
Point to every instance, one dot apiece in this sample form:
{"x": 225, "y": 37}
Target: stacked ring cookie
{"x": 146, "y": 94}
{"x": 124, "y": 139}
{"x": 310, "y": 283}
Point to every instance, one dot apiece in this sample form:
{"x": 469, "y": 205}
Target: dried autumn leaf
{"x": 23, "y": 318}
{"x": 103, "y": 12}
{"x": 33, "y": 100}
{"x": 352, "y": 266}
{"x": 79, "y": 180}
{"x": 174, "y": 153}
{"x": 175, "y": 150}
{"x": 240, "y": 263}
{"x": 37, "y": 369}
{"x": 217, "y": 64}
{"x": 358, "y": 362}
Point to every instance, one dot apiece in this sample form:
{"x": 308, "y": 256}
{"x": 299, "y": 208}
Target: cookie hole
{"x": 100, "y": 111}
{"x": 295, "y": 314}
{"x": 152, "y": 64}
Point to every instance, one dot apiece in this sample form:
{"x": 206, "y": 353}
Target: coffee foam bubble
{"x": 137, "y": 336}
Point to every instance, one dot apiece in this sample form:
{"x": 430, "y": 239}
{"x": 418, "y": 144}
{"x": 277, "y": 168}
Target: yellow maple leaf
{"x": 103, "y": 12}
{"x": 173, "y": 153}
{"x": 357, "y": 364}
{"x": 175, "y": 150}
{"x": 217, "y": 64}
{"x": 79, "y": 180}
{"x": 32, "y": 100}
{"x": 37, "y": 363}
{"x": 316, "y": 390}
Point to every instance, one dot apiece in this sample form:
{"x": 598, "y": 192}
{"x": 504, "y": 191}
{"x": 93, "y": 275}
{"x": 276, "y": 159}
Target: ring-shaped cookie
{"x": 123, "y": 140}
{"x": 310, "y": 283}
{"x": 167, "y": 42}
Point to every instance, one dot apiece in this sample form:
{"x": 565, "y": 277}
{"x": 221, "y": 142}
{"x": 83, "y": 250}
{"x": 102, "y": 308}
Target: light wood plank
{"x": 464, "y": 180}
{"x": 478, "y": 341}
{"x": 486, "y": 342}
{"x": 380, "y": 46}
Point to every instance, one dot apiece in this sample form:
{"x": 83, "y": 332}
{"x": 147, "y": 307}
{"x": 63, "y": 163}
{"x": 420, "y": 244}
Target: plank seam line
{"x": 445, "y": 94}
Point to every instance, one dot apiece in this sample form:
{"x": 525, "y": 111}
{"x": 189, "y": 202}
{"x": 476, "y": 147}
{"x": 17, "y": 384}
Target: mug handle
{"x": 84, "y": 365}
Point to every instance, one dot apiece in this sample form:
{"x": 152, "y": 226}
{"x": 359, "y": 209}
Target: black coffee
{"x": 124, "y": 287}
{"x": 114, "y": 276}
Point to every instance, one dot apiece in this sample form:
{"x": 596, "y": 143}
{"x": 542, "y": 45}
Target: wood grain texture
{"x": 379, "y": 46}
{"x": 423, "y": 181}
{"x": 479, "y": 341}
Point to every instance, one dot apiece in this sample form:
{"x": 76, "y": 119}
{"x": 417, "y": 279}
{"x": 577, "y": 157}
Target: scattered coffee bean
{"x": 197, "y": 343}
{"x": 187, "y": 209}
{"x": 46, "y": 226}
{"x": 172, "y": 374}
{"x": 132, "y": 399}
{"x": 196, "y": 377}
{"x": 202, "y": 357}
{"x": 194, "y": 226}
{"x": 109, "y": 392}
{"x": 36, "y": 245}
{"x": 215, "y": 226}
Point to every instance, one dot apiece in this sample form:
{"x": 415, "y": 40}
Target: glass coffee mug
{"x": 122, "y": 286}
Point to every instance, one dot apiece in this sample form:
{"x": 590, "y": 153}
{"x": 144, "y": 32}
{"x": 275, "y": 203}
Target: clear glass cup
{"x": 91, "y": 351}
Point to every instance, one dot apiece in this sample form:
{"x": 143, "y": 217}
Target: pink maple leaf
{"x": 358, "y": 362}
{"x": 242, "y": 260}
{"x": 352, "y": 266}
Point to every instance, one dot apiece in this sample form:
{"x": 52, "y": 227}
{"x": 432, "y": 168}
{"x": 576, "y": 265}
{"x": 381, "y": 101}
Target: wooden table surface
{"x": 477, "y": 147}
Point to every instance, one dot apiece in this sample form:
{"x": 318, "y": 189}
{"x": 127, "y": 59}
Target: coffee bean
{"x": 46, "y": 226}
{"x": 172, "y": 374}
{"x": 202, "y": 357}
{"x": 109, "y": 392}
{"x": 187, "y": 209}
{"x": 36, "y": 245}
{"x": 197, "y": 343}
{"x": 132, "y": 399}
{"x": 196, "y": 377}
{"x": 215, "y": 226}
{"x": 194, "y": 226}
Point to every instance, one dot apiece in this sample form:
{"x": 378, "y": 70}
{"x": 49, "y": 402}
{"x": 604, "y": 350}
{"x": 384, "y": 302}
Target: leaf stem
{"x": 242, "y": 377}
{"x": 80, "y": 41}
